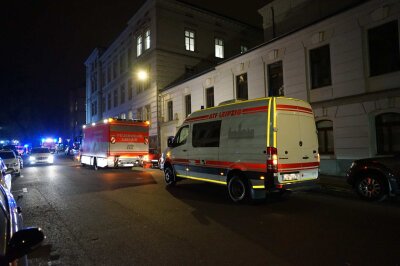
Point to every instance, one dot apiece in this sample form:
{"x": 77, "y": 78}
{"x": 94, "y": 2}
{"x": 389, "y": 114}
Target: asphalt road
{"x": 129, "y": 217}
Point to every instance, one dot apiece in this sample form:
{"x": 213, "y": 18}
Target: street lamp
{"x": 142, "y": 75}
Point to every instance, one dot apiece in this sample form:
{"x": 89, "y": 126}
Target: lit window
{"x": 219, "y": 48}
{"x": 130, "y": 115}
{"x": 383, "y": 48}
{"x": 139, "y": 47}
{"x": 147, "y": 40}
{"x": 320, "y": 67}
{"x": 387, "y": 132}
{"x": 147, "y": 113}
{"x": 189, "y": 40}
{"x": 123, "y": 116}
{"x": 325, "y": 136}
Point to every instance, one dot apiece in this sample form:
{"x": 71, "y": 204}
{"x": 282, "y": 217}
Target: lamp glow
{"x": 142, "y": 75}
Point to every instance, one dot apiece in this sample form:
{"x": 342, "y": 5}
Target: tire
{"x": 371, "y": 187}
{"x": 238, "y": 189}
{"x": 169, "y": 176}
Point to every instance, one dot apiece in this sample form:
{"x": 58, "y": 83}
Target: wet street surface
{"x": 129, "y": 217}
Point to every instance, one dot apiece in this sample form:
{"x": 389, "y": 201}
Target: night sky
{"x": 44, "y": 44}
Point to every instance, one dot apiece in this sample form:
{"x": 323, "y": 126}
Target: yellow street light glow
{"x": 110, "y": 120}
{"x": 142, "y": 75}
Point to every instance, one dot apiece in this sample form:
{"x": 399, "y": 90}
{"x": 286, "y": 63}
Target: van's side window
{"x": 181, "y": 136}
{"x": 206, "y": 134}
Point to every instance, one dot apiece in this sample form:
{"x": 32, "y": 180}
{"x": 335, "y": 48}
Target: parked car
{"x": 16, "y": 241}
{"x": 41, "y": 155}
{"x": 5, "y": 175}
{"x": 151, "y": 160}
{"x": 374, "y": 179}
{"x": 12, "y": 161}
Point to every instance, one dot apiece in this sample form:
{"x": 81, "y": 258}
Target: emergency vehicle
{"x": 115, "y": 143}
{"x": 252, "y": 147}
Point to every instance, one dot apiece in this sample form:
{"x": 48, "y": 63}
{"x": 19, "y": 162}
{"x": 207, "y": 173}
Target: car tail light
{"x": 272, "y": 159}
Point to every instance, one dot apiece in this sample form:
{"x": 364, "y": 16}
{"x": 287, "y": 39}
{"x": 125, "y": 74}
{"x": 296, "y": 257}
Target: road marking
{"x": 21, "y": 176}
{"x": 25, "y": 190}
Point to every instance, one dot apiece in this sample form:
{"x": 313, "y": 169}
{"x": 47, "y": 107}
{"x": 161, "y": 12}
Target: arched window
{"x": 387, "y": 133}
{"x": 325, "y": 137}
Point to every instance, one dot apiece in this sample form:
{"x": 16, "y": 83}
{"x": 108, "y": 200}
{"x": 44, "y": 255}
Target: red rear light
{"x": 272, "y": 159}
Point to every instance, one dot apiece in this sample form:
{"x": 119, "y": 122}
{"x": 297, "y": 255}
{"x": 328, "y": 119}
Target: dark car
{"x": 15, "y": 241}
{"x": 375, "y": 178}
{"x": 152, "y": 159}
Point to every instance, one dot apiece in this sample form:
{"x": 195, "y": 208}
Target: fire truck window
{"x": 206, "y": 134}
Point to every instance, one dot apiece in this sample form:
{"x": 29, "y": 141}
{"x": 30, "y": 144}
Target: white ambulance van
{"x": 252, "y": 147}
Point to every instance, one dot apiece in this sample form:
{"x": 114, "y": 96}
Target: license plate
{"x": 291, "y": 177}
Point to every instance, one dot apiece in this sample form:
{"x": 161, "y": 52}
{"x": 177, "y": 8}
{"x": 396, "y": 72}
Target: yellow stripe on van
{"x": 268, "y": 122}
{"x": 259, "y": 187}
{"x": 202, "y": 179}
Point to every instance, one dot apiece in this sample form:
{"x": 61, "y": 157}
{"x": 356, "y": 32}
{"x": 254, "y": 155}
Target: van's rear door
{"x": 296, "y": 141}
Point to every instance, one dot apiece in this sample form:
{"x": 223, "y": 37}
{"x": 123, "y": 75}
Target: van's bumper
{"x": 299, "y": 185}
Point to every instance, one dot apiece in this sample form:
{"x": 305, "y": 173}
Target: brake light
{"x": 272, "y": 159}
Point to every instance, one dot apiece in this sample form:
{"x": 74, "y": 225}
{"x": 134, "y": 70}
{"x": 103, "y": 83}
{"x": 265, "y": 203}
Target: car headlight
{"x": 32, "y": 158}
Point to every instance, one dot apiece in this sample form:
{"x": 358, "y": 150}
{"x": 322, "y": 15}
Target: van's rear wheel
{"x": 169, "y": 176}
{"x": 238, "y": 189}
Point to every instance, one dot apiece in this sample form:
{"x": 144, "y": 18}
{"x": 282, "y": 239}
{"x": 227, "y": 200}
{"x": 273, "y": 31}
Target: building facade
{"x": 165, "y": 41}
{"x": 347, "y": 65}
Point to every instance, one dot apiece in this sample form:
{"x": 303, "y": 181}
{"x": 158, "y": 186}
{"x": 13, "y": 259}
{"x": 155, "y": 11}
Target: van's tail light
{"x": 272, "y": 160}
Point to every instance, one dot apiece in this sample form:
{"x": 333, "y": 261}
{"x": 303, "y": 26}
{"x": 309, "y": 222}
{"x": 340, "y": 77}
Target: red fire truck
{"x": 115, "y": 143}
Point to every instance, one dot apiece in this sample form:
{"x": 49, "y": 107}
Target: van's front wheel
{"x": 238, "y": 189}
{"x": 169, "y": 176}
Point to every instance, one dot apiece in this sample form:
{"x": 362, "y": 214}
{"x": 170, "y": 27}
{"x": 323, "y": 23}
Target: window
{"x": 241, "y": 87}
{"x": 188, "y": 105}
{"x": 387, "y": 133}
{"x": 181, "y": 136}
{"x": 94, "y": 108}
{"x": 114, "y": 70}
{"x": 103, "y": 104}
{"x": 129, "y": 56}
{"x": 130, "y": 114}
{"x": 320, "y": 67}
{"x": 206, "y": 134}
{"x": 147, "y": 113}
{"x": 219, "y": 48}
{"x": 139, "y": 49}
{"x": 130, "y": 89}
{"x": 147, "y": 39}
{"x": 108, "y": 74}
{"x": 115, "y": 98}
{"x": 122, "y": 93}
{"x": 109, "y": 101}
{"x": 384, "y": 54}
{"x": 170, "y": 111}
{"x": 189, "y": 40}
{"x": 210, "y": 97}
{"x": 121, "y": 64}
{"x": 123, "y": 116}
{"x": 243, "y": 48}
{"x": 275, "y": 79}
{"x": 139, "y": 114}
{"x": 325, "y": 136}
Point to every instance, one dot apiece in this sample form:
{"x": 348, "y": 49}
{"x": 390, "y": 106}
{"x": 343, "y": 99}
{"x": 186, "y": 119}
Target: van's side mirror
{"x": 170, "y": 141}
{"x": 23, "y": 242}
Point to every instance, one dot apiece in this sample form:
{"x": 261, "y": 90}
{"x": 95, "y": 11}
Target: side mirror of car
{"x": 23, "y": 242}
{"x": 170, "y": 141}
